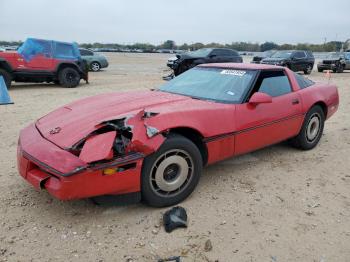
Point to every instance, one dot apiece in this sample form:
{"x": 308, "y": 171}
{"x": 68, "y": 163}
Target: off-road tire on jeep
{"x": 7, "y": 77}
{"x": 69, "y": 77}
{"x": 171, "y": 174}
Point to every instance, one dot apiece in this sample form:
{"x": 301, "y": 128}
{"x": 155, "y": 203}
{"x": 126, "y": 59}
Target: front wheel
{"x": 308, "y": 70}
{"x": 312, "y": 129}
{"x": 340, "y": 68}
{"x": 69, "y": 77}
{"x": 171, "y": 174}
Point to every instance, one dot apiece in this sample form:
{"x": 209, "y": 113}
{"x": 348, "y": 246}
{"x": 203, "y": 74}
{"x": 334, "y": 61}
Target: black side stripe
{"x": 225, "y": 135}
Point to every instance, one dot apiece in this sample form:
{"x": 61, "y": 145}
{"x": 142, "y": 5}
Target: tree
{"x": 169, "y": 44}
{"x": 268, "y": 46}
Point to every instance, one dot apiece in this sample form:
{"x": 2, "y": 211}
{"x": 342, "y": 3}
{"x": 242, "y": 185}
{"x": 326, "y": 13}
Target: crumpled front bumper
{"x": 66, "y": 177}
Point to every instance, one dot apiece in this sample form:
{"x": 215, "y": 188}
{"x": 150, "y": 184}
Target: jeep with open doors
{"x": 39, "y": 61}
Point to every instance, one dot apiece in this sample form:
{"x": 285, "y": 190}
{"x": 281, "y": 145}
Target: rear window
{"x": 303, "y": 82}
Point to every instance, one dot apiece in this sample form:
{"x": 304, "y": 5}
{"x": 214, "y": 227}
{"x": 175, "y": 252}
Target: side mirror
{"x": 260, "y": 98}
{"x": 212, "y": 56}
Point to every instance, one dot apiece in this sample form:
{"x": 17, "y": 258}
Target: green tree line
{"x": 239, "y": 46}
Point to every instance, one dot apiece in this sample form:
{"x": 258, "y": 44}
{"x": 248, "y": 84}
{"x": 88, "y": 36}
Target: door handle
{"x": 295, "y": 101}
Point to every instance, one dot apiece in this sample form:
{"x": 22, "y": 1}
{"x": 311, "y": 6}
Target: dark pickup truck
{"x": 335, "y": 61}
{"x": 188, "y": 60}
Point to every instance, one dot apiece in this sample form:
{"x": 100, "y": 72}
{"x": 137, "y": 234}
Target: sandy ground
{"x": 276, "y": 204}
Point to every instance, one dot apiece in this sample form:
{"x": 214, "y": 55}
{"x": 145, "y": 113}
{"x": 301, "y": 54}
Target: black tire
{"x": 69, "y": 77}
{"x": 7, "y": 77}
{"x": 308, "y": 136}
{"x": 157, "y": 174}
{"x": 319, "y": 70}
{"x": 340, "y": 68}
{"x": 308, "y": 69}
{"x": 95, "y": 66}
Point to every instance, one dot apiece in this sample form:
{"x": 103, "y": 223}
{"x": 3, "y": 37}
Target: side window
{"x": 89, "y": 52}
{"x": 83, "y": 52}
{"x": 64, "y": 51}
{"x": 273, "y": 83}
{"x": 302, "y": 81}
{"x": 299, "y": 54}
{"x": 221, "y": 52}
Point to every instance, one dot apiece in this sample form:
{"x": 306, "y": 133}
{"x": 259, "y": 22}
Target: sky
{"x": 190, "y": 21}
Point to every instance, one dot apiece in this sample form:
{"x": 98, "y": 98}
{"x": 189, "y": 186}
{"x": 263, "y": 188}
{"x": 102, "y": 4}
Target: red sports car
{"x": 154, "y": 144}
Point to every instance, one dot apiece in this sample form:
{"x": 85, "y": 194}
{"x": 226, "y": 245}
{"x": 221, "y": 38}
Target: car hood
{"x": 69, "y": 124}
{"x": 188, "y": 56}
{"x": 8, "y": 54}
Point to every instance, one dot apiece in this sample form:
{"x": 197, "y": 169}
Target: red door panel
{"x": 40, "y": 62}
{"x": 266, "y": 124}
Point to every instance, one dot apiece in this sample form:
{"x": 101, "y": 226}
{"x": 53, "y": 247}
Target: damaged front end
{"x": 118, "y": 138}
{"x": 108, "y": 161}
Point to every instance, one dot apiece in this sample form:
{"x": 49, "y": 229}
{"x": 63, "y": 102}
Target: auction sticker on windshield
{"x": 233, "y": 72}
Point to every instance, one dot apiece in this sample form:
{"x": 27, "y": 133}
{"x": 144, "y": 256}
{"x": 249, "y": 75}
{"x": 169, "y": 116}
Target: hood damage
{"x": 117, "y": 138}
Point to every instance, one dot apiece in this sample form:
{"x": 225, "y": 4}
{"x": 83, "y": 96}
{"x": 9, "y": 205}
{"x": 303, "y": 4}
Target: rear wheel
{"x": 95, "y": 66}
{"x": 320, "y": 70}
{"x": 171, "y": 174}
{"x": 69, "y": 77}
{"x": 7, "y": 77}
{"x": 312, "y": 129}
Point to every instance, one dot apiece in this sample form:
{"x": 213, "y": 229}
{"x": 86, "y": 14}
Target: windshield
{"x": 215, "y": 84}
{"x": 282, "y": 54}
{"x": 268, "y": 53}
{"x": 333, "y": 55}
{"x": 200, "y": 52}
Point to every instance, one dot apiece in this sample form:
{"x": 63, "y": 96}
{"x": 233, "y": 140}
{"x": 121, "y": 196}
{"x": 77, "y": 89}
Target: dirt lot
{"x": 276, "y": 204}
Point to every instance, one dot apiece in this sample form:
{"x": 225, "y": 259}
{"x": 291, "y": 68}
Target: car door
{"x": 347, "y": 60}
{"x": 41, "y": 56}
{"x": 264, "y": 124}
{"x": 87, "y": 55}
{"x": 215, "y": 56}
{"x": 299, "y": 59}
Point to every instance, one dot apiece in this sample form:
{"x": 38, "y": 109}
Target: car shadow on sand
{"x": 36, "y": 86}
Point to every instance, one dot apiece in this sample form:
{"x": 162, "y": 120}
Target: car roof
{"x": 246, "y": 66}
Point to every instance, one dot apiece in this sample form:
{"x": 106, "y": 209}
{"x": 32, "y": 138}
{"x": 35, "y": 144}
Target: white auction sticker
{"x": 233, "y": 72}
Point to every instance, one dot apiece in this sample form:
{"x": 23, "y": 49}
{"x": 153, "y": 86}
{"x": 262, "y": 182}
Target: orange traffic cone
{"x": 328, "y": 75}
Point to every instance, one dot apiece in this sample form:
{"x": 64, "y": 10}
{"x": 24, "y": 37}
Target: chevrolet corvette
{"x": 152, "y": 145}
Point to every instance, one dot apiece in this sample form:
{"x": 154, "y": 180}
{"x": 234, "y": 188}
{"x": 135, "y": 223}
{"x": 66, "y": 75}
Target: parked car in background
{"x": 38, "y": 61}
{"x": 257, "y": 59}
{"x": 335, "y": 61}
{"x": 187, "y": 60}
{"x": 95, "y": 61}
{"x": 296, "y": 60}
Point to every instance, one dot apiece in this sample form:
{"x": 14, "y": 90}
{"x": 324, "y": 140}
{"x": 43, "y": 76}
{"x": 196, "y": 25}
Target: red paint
{"x": 98, "y": 147}
{"x": 226, "y": 129}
